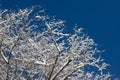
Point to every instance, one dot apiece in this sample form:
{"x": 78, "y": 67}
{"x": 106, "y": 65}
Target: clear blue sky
{"x": 99, "y": 18}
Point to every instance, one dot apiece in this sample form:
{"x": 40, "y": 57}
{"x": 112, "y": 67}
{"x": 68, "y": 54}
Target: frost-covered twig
{"x": 61, "y": 69}
{"x": 58, "y": 50}
{"x": 8, "y": 63}
{"x": 1, "y": 54}
{"x": 73, "y": 71}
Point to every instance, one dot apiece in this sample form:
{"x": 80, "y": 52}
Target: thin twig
{"x": 62, "y": 69}
{"x": 1, "y": 54}
{"x": 7, "y": 76}
{"x": 56, "y": 58}
{"x": 73, "y": 71}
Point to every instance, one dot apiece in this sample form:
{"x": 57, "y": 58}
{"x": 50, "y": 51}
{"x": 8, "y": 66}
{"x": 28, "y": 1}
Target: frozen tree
{"x": 35, "y": 46}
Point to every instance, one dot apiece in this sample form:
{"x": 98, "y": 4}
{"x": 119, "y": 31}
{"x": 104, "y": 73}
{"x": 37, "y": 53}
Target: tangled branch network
{"x": 35, "y": 46}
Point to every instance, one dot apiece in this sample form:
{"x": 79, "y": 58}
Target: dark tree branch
{"x": 7, "y": 76}
{"x": 56, "y": 58}
{"x": 1, "y": 54}
{"x": 73, "y": 71}
{"x": 61, "y": 69}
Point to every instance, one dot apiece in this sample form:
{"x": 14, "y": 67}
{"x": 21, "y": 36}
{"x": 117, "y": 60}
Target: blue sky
{"x": 99, "y": 18}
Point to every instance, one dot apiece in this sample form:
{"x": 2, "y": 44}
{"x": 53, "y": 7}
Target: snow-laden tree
{"x": 35, "y": 46}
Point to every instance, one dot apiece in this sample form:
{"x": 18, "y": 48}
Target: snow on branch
{"x": 34, "y": 45}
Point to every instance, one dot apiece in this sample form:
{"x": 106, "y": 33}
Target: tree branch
{"x": 73, "y": 71}
{"x": 7, "y": 76}
{"x": 56, "y": 59}
{"x": 61, "y": 69}
{"x": 1, "y": 54}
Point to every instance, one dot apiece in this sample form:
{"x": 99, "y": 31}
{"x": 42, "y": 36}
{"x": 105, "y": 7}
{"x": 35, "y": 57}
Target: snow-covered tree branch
{"x": 34, "y": 46}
